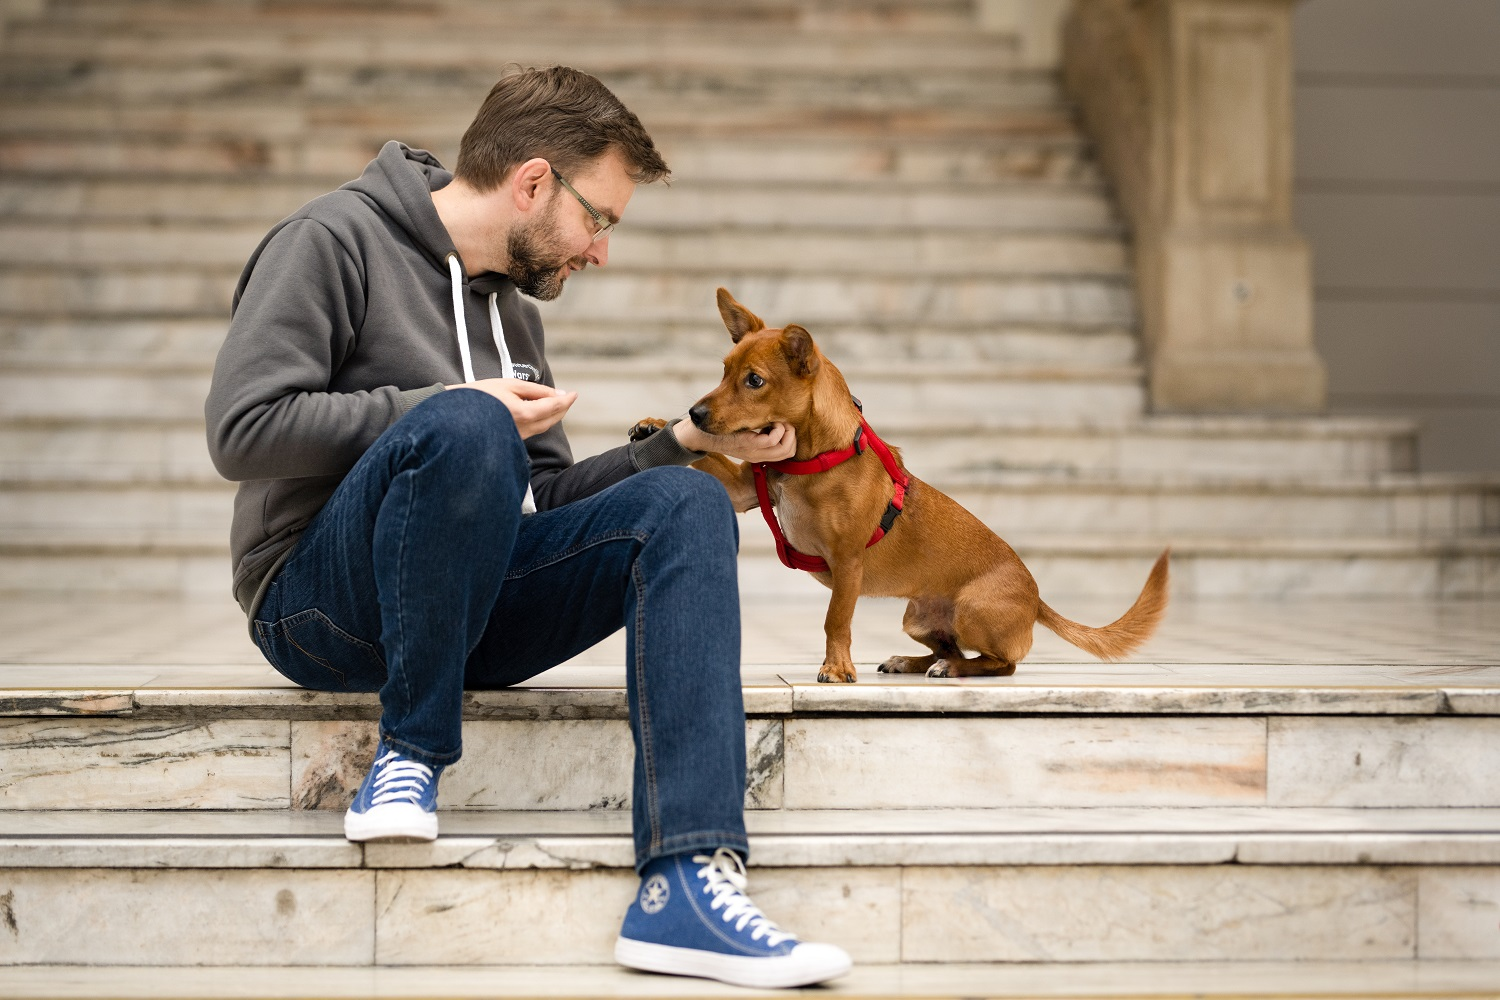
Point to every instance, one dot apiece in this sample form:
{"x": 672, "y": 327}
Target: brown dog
{"x": 967, "y": 588}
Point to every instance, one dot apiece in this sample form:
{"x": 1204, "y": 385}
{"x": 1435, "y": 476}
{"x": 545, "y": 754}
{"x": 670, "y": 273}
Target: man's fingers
{"x": 531, "y": 390}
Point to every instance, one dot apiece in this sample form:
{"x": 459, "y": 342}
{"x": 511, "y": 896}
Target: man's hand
{"x": 774, "y": 445}
{"x": 533, "y": 406}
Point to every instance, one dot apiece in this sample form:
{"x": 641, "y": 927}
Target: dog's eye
{"x": 754, "y": 381}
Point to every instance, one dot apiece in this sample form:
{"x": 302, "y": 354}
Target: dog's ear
{"x": 737, "y": 318}
{"x": 801, "y": 353}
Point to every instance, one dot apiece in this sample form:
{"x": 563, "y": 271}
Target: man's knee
{"x": 472, "y": 429}
{"x": 688, "y": 500}
{"x": 466, "y": 442}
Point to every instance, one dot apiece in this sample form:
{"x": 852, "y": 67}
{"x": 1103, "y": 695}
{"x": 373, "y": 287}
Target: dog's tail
{"x": 1117, "y": 641}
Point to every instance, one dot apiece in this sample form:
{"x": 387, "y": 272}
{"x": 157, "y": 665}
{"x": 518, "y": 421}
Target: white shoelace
{"x": 724, "y": 876}
{"x": 399, "y": 780}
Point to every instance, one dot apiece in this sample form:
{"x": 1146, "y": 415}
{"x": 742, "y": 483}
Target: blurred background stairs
{"x": 911, "y": 187}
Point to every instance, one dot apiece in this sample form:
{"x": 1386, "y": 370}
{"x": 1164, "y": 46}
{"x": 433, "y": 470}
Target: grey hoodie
{"x": 344, "y": 319}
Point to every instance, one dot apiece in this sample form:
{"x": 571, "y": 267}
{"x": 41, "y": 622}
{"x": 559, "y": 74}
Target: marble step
{"x": 40, "y": 342}
{"x": 421, "y": 125}
{"x": 835, "y": 290}
{"x": 302, "y": 895}
{"x": 94, "y": 211}
{"x": 643, "y": 87}
{"x": 823, "y": 158}
{"x": 1418, "y": 979}
{"x": 844, "y": 15}
{"x": 612, "y": 397}
{"x": 1316, "y": 449}
{"x": 768, "y": 49}
{"x": 1215, "y": 887}
{"x": 1073, "y": 236}
{"x": 1093, "y": 566}
{"x": 1018, "y": 505}
{"x": 1075, "y": 735}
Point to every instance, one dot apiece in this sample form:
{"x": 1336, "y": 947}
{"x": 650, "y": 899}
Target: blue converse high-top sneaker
{"x": 691, "y": 917}
{"x": 398, "y": 801}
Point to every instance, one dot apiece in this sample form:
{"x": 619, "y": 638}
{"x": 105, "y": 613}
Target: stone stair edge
{"x": 798, "y": 696}
{"x": 817, "y": 848}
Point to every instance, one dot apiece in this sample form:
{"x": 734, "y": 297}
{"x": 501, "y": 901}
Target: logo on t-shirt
{"x": 525, "y": 372}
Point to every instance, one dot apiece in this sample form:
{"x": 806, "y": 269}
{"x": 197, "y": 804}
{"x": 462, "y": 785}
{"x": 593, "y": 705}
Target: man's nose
{"x": 598, "y": 252}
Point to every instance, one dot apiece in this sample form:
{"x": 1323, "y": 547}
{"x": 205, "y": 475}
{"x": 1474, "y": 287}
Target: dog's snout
{"x": 699, "y": 415}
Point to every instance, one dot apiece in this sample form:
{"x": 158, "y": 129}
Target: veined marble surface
{"x": 787, "y": 838}
{"x": 98, "y": 656}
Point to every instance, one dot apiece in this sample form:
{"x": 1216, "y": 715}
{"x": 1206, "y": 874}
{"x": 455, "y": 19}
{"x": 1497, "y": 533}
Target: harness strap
{"x": 863, "y": 437}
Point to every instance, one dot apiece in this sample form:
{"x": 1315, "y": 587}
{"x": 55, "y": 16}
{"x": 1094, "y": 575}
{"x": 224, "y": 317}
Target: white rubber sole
{"x": 806, "y": 965}
{"x": 401, "y": 822}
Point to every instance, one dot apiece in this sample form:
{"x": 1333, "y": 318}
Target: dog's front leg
{"x": 838, "y": 663}
{"x": 738, "y": 478}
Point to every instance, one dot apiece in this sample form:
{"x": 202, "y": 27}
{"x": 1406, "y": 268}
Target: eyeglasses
{"x": 605, "y": 226}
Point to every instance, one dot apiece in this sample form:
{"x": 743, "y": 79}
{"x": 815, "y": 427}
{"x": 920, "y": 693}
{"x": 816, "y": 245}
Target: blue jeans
{"x": 421, "y": 578}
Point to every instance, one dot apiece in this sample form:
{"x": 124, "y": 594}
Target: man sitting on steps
{"x": 392, "y": 536}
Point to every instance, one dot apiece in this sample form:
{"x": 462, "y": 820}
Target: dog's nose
{"x": 699, "y": 415}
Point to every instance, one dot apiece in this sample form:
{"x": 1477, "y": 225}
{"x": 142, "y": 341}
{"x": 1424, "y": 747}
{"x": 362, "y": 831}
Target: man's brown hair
{"x": 561, "y": 114}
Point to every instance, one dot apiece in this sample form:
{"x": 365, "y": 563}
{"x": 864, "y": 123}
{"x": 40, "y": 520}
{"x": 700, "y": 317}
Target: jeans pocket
{"x": 311, "y": 650}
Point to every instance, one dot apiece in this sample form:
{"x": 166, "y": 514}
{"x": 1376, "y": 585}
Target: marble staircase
{"x": 1074, "y": 814}
{"x": 908, "y": 186}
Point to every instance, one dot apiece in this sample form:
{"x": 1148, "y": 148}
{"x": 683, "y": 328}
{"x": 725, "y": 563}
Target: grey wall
{"x": 1398, "y": 190}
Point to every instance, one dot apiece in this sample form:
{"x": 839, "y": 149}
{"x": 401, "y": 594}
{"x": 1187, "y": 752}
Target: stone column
{"x": 1190, "y": 104}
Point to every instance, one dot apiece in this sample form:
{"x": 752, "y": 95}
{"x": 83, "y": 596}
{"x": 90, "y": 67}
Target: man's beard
{"x": 538, "y": 261}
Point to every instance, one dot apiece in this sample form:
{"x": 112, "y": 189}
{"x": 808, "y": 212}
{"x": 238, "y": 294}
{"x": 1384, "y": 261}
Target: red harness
{"x": 863, "y": 437}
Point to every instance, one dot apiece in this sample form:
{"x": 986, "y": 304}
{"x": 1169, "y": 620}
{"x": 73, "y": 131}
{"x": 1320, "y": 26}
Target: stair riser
{"x": 100, "y": 453}
{"x": 40, "y": 343}
{"x": 768, "y": 160}
{"x": 610, "y": 296}
{"x": 23, "y": 119}
{"x": 766, "y": 52}
{"x": 927, "y": 15}
{"x": 641, "y": 89}
{"x": 202, "y": 572}
{"x": 649, "y": 250}
{"x": 154, "y": 514}
{"x": 802, "y": 763}
{"x": 684, "y": 205}
{"x": 606, "y": 402}
{"x": 938, "y": 914}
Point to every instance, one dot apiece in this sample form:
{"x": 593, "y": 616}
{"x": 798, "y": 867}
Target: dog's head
{"x": 769, "y": 375}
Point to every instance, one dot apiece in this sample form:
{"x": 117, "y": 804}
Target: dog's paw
{"x": 905, "y": 665}
{"x": 939, "y": 669}
{"x": 645, "y": 428}
{"x": 831, "y": 674}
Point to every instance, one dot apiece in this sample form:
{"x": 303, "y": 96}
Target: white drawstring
{"x": 456, "y": 272}
{"x": 724, "y": 876}
{"x": 497, "y": 330}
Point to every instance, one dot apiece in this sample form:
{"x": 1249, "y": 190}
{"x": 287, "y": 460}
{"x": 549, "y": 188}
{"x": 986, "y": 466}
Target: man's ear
{"x": 737, "y": 318}
{"x": 527, "y": 183}
{"x": 801, "y": 353}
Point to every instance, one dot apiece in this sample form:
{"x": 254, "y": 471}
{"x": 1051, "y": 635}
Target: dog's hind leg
{"x": 928, "y": 620}
{"x": 998, "y": 627}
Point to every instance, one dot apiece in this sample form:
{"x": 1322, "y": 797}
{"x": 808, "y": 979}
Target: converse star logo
{"x": 525, "y": 372}
{"x": 654, "y": 894}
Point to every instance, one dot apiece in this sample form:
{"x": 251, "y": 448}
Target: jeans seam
{"x": 648, "y": 751}
{"x": 573, "y": 550}
{"x": 411, "y": 444}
